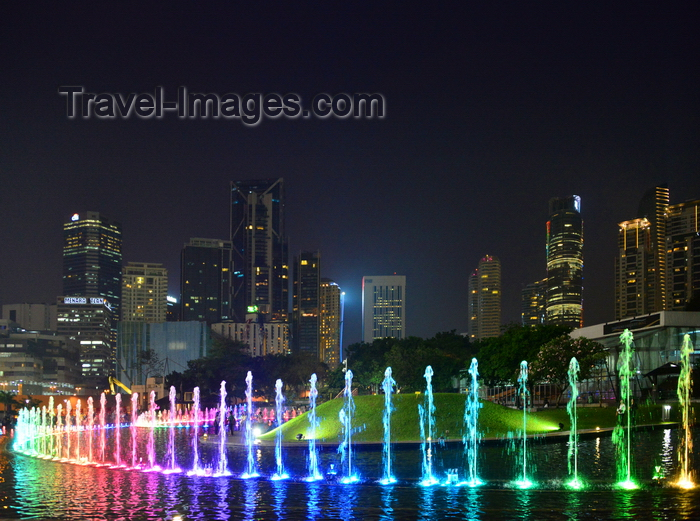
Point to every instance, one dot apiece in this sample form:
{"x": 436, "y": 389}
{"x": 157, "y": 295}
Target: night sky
{"x": 491, "y": 111}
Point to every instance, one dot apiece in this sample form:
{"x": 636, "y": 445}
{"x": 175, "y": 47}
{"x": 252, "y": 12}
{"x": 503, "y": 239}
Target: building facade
{"x": 485, "y": 299}
{"x": 144, "y": 292}
{"x": 564, "y": 300}
{"x": 37, "y": 363}
{"x": 89, "y": 322}
{"x": 92, "y": 259}
{"x": 33, "y": 317}
{"x": 205, "y": 281}
{"x": 533, "y": 301}
{"x": 330, "y": 323}
{"x": 261, "y": 338}
{"x": 682, "y": 254}
{"x": 383, "y": 307}
{"x": 306, "y": 307}
{"x": 172, "y": 343}
{"x": 635, "y": 265}
{"x": 260, "y": 249}
{"x": 653, "y": 207}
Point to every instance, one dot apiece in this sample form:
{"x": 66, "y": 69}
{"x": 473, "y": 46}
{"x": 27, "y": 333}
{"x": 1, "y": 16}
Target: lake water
{"x": 44, "y": 489}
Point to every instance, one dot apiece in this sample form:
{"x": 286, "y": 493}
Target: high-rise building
{"x": 565, "y": 262}
{"x": 306, "y": 303}
{"x": 144, "y": 292}
{"x": 205, "y": 281}
{"x": 383, "y": 307}
{"x": 653, "y": 207}
{"x": 682, "y": 254}
{"x": 485, "y": 299}
{"x": 89, "y": 321}
{"x": 330, "y": 298}
{"x": 261, "y": 338}
{"x": 92, "y": 259}
{"x": 260, "y": 249}
{"x": 534, "y": 299}
{"x": 635, "y": 292}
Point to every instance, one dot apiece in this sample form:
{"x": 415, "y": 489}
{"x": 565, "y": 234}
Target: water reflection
{"x": 251, "y": 498}
{"x": 427, "y": 499}
{"x": 388, "y": 501}
{"x": 314, "y": 508}
{"x": 473, "y": 504}
{"x": 280, "y": 494}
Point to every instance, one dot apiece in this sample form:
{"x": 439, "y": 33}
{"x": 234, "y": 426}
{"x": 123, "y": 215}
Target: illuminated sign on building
{"x": 85, "y": 300}
{"x": 252, "y": 309}
{"x": 75, "y": 217}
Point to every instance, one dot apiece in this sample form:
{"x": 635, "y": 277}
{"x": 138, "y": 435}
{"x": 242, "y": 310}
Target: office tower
{"x": 32, "y": 317}
{"x": 485, "y": 299}
{"x": 565, "y": 262}
{"x": 653, "y": 207}
{"x": 89, "y": 321}
{"x": 144, "y": 292}
{"x": 533, "y": 301}
{"x": 205, "y": 281}
{"x": 92, "y": 259}
{"x": 635, "y": 292}
{"x": 260, "y": 259}
{"x": 383, "y": 307}
{"x": 331, "y": 318}
{"x": 261, "y": 338}
{"x": 682, "y": 254}
{"x": 306, "y": 304}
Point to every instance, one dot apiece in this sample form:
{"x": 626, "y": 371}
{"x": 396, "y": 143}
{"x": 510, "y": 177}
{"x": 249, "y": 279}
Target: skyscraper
{"x": 653, "y": 207}
{"x": 682, "y": 254}
{"x": 635, "y": 292}
{"x": 383, "y": 307}
{"x": 330, "y": 323}
{"x": 92, "y": 258}
{"x": 306, "y": 303}
{"x": 144, "y": 292}
{"x": 260, "y": 257}
{"x": 565, "y": 262}
{"x": 205, "y": 284}
{"x": 485, "y": 299}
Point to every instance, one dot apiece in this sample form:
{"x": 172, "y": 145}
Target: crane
{"x": 113, "y": 381}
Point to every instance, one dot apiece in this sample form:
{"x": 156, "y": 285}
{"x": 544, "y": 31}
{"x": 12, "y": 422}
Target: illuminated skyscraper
{"x": 653, "y": 207}
{"x": 383, "y": 307}
{"x": 144, "y": 292}
{"x": 92, "y": 259}
{"x": 260, "y": 258}
{"x": 635, "y": 292}
{"x": 306, "y": 303}
{"x": 205, "y": 284}
{"x": 564, "y": 302}
{"x": 682, "y": 254}
{"x": 485, "y": 299}
{"x": 534, "y": 300}
{"x": 330, "y": 323}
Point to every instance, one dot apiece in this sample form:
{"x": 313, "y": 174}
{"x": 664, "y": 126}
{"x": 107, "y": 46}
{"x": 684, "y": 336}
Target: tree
{"x": 552, "y": 362}
{"x": 8, "y": 400}
{"x": 500, "y": 357}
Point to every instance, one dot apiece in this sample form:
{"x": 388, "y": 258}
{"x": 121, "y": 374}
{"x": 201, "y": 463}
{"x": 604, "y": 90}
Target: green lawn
{"x": 494, "y": 420}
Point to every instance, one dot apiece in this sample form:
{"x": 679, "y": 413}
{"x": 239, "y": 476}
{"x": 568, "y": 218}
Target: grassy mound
{"x": 494, "y": 420}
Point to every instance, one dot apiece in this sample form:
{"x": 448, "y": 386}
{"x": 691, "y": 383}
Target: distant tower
{"x": 330, "y": 323}
{"x": 92, "y": 259}
{"x": 533, "y": 303}
{"x": 653, "y": 207}
{"x": 383, "y": 307}
{"x": 565, "y": 262}
{"x": 260, "y": 258}
{"x": 205, "y": 284}
{"x": 683, "y": 254}
{"x": 306, "y": 303}
{"x": 635, "y": 265}
{"x": 485, "y": 299}
{"x": 144, "y": 292}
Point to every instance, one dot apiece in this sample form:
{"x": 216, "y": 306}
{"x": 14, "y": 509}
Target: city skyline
{"x": 488, "y": 116}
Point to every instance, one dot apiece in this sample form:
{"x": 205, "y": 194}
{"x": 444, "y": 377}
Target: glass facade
{"x": 564, "y": 303}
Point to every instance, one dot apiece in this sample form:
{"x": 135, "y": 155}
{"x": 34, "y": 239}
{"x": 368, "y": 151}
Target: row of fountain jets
{"x": 40, "y": 432}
